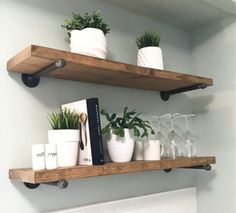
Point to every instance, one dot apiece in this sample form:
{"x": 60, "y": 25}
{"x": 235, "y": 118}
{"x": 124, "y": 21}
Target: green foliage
{"x": 78, "y": 22}
{"x": 129, "y": 120}
{"x": 64, "y": 119}
{"x": 148, "y": 39}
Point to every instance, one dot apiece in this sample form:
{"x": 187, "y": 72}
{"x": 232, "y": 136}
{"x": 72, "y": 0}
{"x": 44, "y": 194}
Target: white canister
{"x": 138, "y": 150}
{"x": 153, "y": 150}
{"x": 38, "y": 156}
{"x": 51, "y": 156}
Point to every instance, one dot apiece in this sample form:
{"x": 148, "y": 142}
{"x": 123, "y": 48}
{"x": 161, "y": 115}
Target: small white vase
{"x": 150, "y": 57}
{"x": 89, "y": 41}
{"x": 120, "y": 149}
{"x": 67, "y": 141}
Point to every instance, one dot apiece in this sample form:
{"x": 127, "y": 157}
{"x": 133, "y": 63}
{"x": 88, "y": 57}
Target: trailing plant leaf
{"x": 129, "y": 120}
{"x": 78, "y": 22}
{"x": 147, "y": 39}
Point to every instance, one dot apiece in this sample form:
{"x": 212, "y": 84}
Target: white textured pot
{"x": 67, "y": 141}
{"x": 120, "y": 149}
{"x": 150, "y": 57}
{"x": 89, "y": 41}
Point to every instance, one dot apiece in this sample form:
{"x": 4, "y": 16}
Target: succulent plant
{"x": 147, "y": 39}
{"x": 64, "y": 119}
{"x": 78, "y": 22}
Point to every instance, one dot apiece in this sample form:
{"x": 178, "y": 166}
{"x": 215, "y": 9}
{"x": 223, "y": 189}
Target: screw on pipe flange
{"x": 31, "y": 185}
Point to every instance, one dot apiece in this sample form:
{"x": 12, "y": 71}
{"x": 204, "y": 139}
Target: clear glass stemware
{"x": 159, "y": 134}
{"x": 174, "y": 140}
{"x": 189, "y": 139}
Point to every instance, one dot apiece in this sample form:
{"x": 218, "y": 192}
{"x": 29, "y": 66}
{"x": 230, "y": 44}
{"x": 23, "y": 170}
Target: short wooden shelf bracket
{"x": 32, "y": 80}
{"x": 206, "y": 167}
{"x": 62, "y": 184}
{"x": 165, "y": 95}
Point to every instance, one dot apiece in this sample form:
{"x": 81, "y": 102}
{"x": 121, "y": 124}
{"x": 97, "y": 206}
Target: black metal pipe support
{"x": 62, "y": 184}
{"x": 32, "y": 80}
{"x": 165, "y": 95}
{"x": 206, "y": 167}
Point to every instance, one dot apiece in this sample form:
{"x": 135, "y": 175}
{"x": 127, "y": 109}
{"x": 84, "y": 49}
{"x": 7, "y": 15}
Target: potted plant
{"x": 149, "y": 53}
{"x": 87, "y": 34}
{"x": 65, "y": 134}
{"x": 121, "y": 132}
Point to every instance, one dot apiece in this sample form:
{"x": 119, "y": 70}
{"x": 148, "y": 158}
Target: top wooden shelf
{"x": 91, "y": 69}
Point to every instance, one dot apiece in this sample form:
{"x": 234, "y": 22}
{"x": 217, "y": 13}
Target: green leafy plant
{"x": 130, "y": 120}
{"x": 64, "y": 119}
{"x": 78, "y": 22}
{"x": 148, "y": 39}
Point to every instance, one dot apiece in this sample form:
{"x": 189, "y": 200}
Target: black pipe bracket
{"x": 165, "y": 95}
{"x": 206, "y": 167}
{"x": 32, "y": 80}
{"x": 62, "y": 184}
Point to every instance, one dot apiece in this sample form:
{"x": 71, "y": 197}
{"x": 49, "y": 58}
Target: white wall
{"x": 23, "y": 111}
{"x": 214, "y": 54}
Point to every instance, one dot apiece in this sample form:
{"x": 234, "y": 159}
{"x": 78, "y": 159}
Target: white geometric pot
{"x": 67, "y": 141}
{"x": 89, "y": 41}
{"x": 120, "y": 149}
{"x": 150, "y": 57}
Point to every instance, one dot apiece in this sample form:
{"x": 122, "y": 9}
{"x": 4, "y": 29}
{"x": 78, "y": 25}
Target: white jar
{"x": 38, "y": 156}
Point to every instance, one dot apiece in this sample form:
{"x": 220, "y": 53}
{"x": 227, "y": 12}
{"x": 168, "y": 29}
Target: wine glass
{"x": 174, "y": 140}
{"x": 189, "y": 139}
{"x": 159, "y": 135}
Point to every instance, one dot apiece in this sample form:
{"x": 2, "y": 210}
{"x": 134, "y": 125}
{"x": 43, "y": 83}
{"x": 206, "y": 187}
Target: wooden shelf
{"x": 45, "y": 176}
{"x": 90, "y": 69}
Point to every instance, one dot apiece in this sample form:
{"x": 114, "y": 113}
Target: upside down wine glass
{"x": 174, "y": 140}
{"x": 160, "y": 136}
{"x": 189, "y": 140}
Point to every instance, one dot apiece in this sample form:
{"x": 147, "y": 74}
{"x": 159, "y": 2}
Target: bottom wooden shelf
{"x": 77, "y": 172}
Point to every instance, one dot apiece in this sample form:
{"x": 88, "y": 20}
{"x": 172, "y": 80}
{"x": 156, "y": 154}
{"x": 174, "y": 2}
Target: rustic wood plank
{"x": 95, "y": 70}
{"x": 77, "y": 172}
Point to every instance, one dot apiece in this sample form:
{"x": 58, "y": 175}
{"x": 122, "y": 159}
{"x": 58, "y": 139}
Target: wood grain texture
{"x": 77, "y": 172}
{"x": 95, "y": 70}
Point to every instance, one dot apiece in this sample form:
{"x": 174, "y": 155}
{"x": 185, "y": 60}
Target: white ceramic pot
{"x": 120, "y": 149}
{"x": 89, "y": 41}
{"x": 67, "y": 141}
{"x": 150, "y": 57}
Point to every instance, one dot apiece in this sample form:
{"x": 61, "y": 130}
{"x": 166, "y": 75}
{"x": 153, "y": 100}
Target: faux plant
{"x": 148, "y": 39}
{"x": 78, "y": 22}
{"x": 64, "y": 119}
{"x": 130, "y": 120}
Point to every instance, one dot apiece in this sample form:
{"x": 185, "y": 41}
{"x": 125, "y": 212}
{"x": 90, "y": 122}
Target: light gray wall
{"x": 214, "y": 54}
{"x": 23, "y": 110}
